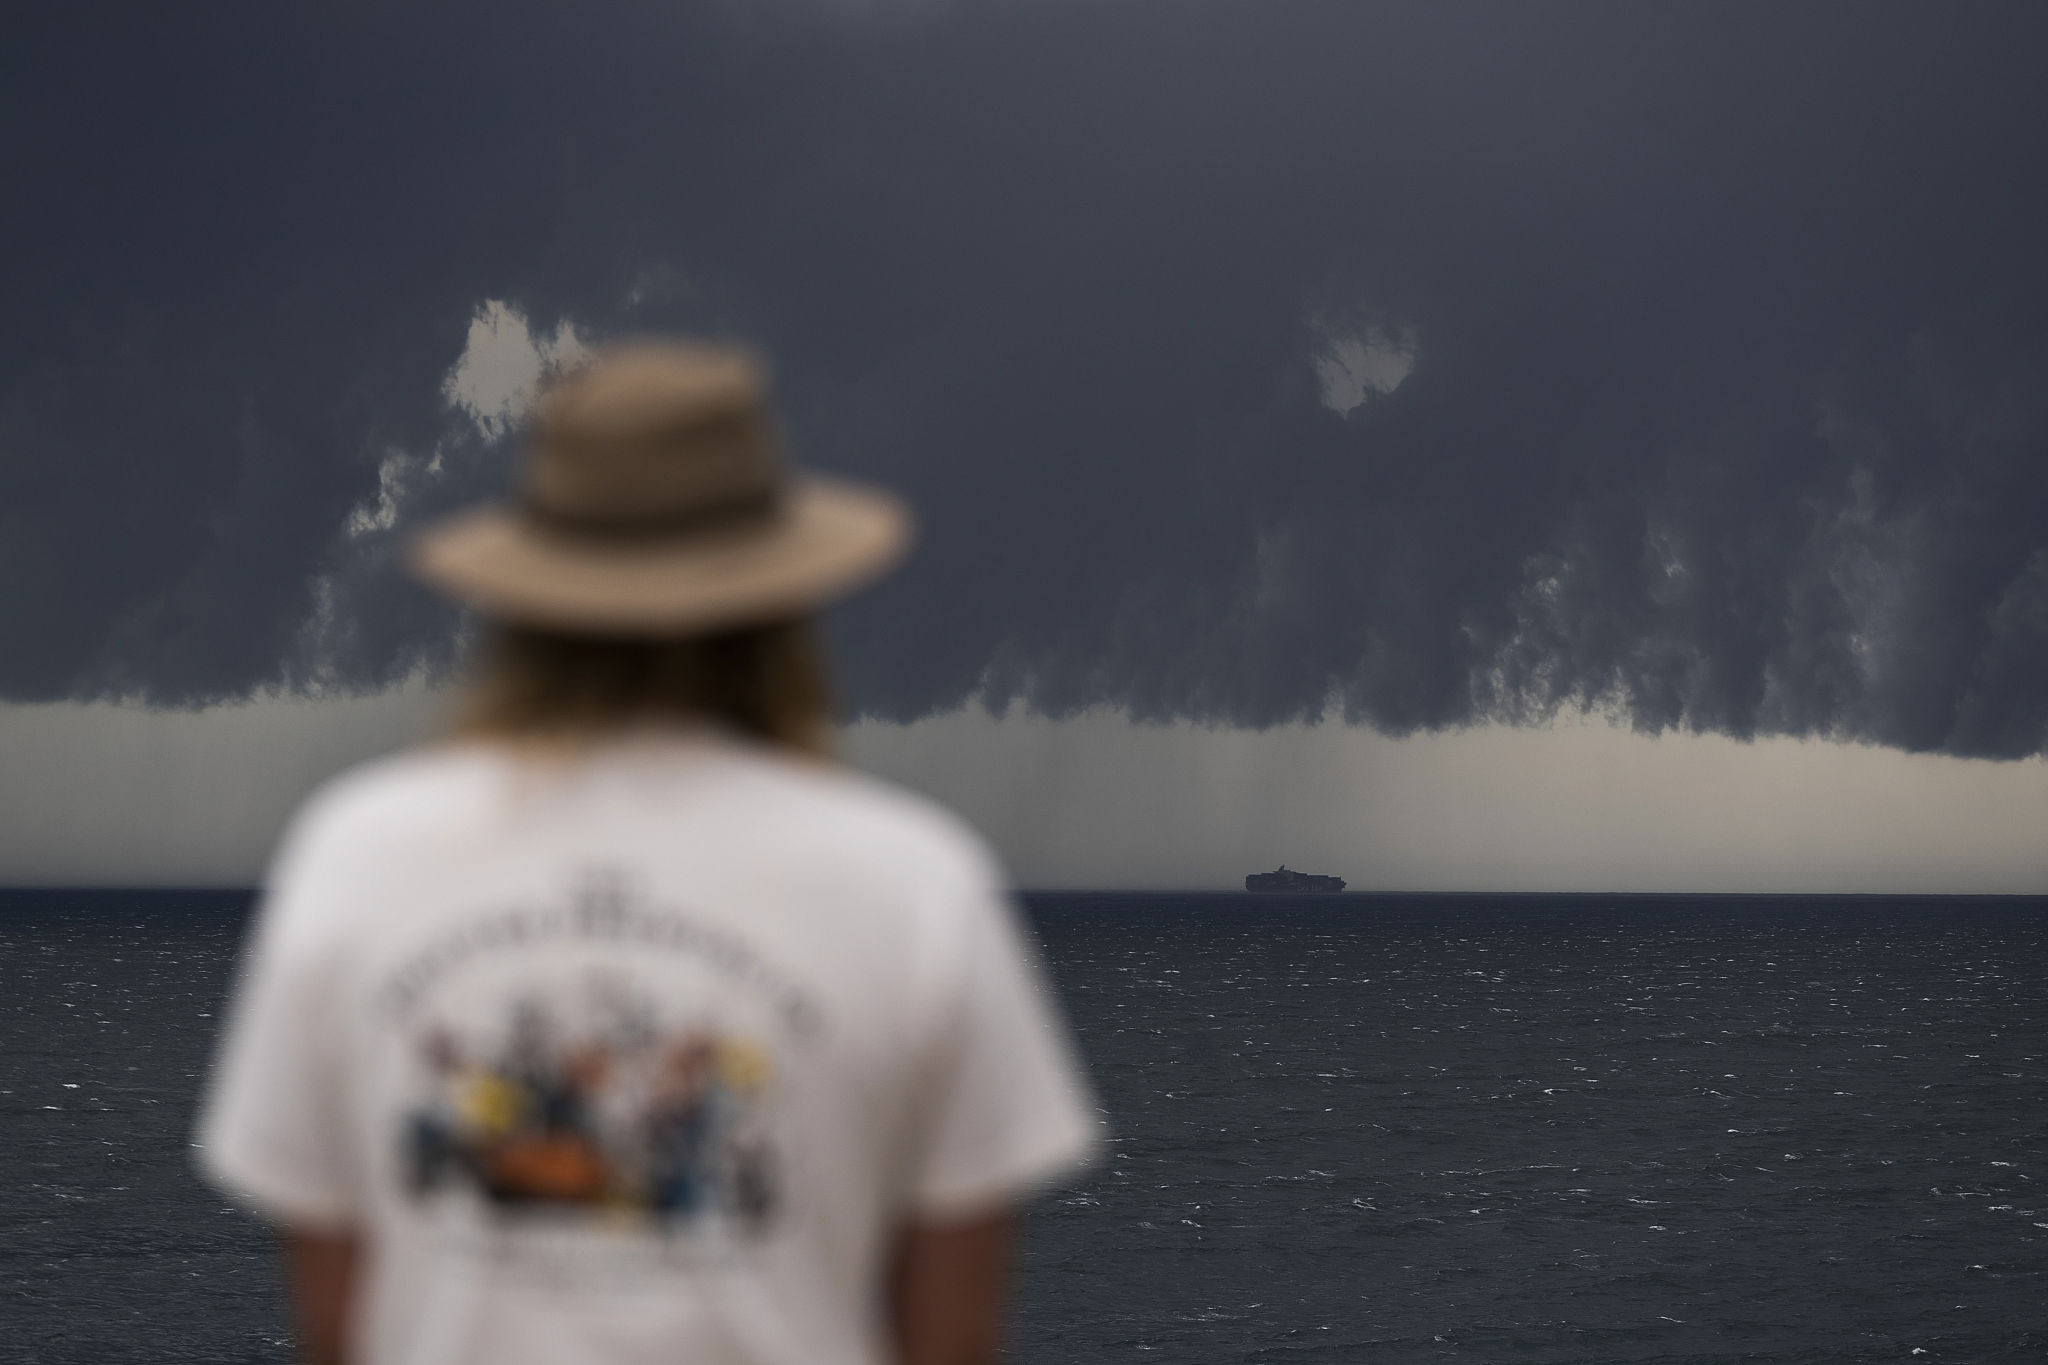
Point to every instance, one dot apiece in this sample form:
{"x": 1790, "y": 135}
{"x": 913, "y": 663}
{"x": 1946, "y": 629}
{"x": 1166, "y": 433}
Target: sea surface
{"x": 1347, "y": 1129}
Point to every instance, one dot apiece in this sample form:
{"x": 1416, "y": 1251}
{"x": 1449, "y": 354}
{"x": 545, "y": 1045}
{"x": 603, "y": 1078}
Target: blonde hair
{"x": 766, "y": 681}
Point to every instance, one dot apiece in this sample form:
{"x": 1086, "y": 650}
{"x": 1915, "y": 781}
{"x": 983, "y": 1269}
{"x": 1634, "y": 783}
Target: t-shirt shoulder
{"x": 392, "y": 794}
{"x": 889, "y": 817}
{"x": 423, "y": 794}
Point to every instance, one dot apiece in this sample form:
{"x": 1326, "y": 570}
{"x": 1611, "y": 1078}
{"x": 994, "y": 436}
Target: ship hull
{"x": 1291, "y": 883}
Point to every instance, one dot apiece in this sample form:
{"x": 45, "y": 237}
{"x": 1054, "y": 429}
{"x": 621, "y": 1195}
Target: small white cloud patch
{"x": 1354, "y": 364}
{"x": 380, "y": 513}
{"x": 492, "y": 383}
{"x": 502, "y": 366}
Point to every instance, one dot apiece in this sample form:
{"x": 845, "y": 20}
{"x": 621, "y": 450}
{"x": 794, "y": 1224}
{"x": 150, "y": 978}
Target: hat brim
{"x": 826, "y": 540}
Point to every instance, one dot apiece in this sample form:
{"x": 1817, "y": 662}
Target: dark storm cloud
{"x": 1726, "y": 335}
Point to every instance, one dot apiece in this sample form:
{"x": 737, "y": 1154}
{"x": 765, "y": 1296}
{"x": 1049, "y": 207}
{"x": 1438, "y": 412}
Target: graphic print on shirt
{"x": 631, "y": 1116}
{"x": 606, "y": 1064}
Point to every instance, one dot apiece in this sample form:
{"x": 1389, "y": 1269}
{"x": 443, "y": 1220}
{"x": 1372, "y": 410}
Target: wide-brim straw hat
{"x": 652, "y": 502}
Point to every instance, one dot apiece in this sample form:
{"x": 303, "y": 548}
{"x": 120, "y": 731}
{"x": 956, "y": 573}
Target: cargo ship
{"x": 1286, "y": 879}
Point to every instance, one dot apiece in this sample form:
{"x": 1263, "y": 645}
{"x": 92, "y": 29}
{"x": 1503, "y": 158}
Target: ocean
{"x": 1347, "y": 1129}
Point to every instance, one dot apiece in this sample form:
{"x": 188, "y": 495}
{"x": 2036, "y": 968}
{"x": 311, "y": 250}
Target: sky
{"x": 1463, "y": 445}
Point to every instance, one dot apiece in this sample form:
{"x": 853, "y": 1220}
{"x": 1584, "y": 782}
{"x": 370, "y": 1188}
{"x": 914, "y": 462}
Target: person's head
{"x": 766, "y": 681}
{"x": 658, "y": 565}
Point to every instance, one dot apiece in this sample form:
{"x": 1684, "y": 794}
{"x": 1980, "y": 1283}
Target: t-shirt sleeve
{"x": 272, "y": 1131}
{"x": 1007, "y": 1109}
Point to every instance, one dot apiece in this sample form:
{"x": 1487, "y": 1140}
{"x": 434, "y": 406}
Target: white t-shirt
{"x": 637, "y": 1056}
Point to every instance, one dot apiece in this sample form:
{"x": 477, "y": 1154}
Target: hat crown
{"x": 653, "y": 503}
{"x": 655, "y": 434}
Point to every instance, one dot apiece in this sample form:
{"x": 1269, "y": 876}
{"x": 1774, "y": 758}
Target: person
{"x": 622, "y": 1025}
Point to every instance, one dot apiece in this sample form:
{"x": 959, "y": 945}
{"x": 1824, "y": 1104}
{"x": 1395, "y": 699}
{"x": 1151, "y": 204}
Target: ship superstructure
{"x": 1287, "y": 879}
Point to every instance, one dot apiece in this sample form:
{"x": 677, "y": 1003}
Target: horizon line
{"x": 157, "y": 889}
